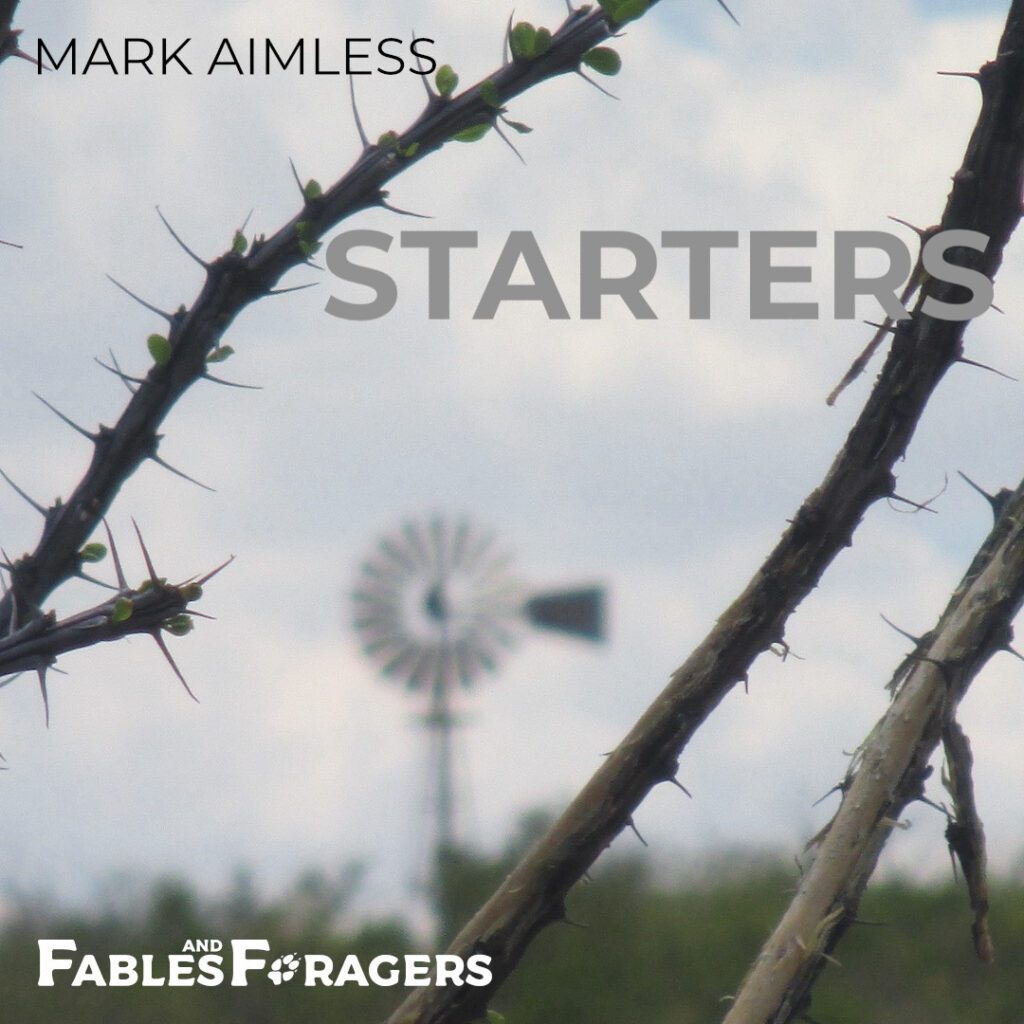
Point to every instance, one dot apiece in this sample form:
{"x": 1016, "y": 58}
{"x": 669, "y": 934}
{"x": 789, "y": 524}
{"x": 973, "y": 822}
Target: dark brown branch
{"x": 43, "y": 639}
{"x": 986, "y": 197}
{"x": 234, "y": 280}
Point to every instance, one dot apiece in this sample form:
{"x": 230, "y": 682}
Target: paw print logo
{"x": 284, "y": 968}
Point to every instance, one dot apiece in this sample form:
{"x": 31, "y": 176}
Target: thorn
{"x": 913, "y": 504}
{"x": 230, "y": 383}
{"x": 961, "y": 74}
{"x": 997, "y": 501}
{"x": 935, "y": 497}
{"x": 122, "y": 583}
{"x": 921, "y": 233}
{"x": 35, "y": 504}
{"x": 839, "y": 787}
{"x": 1010, "y": 650}
{"x": 917, "y": 641}
{"x": 860, "y": 364}
{"x": 13, "y": 245}
{"x": 177, "y": 472}
{"x": 145, "y": 554}
{"x": 174, "y": 235}
{"x": 140, "y": 301}
{"x": 355, "y": 113}
{"x": 292, "y": 288}
{"x": 213, "y": 572}
{"x": 675, "y": 782}
{"x": 128, "y": 382}
{"x": 636, "y": 831}
{"x": 71, "y": 423}
{"x": 508, "y": 142}
{"x": 985, "y": 366}
{"x": 10, "y": 44}
{"x": 423, "y": 75}
{"x": 116, "y": 370}
{"x": 170, "y": 661}
{"x": 506, "y": 52}
{"x": 722, "y": 4}
{"x": 383, "y": 203}
{"x": 599, "y": 88}
{"x": 202, "y": 615}
{"x": 298, "y": 180}
{"x": 245, "y": 223}
{"x": 41, "y": 672}
{"x": 941, "y": 808}
{"x": 92, "y": 579}
{"x": 887, "y": 328}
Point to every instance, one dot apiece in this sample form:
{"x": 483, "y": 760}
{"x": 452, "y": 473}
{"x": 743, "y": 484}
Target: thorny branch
{"x": 246, "y": 273}
{"x": 986, "y": 197}
{"x": 888, "y": 773}
{"x": 9, "y": 35}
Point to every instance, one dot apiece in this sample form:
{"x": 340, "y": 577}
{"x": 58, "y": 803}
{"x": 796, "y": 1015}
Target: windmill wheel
{"x": 435, "y": 604}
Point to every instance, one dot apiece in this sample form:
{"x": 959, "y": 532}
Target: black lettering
{"x": 350, "y": 56}
{"x": 397, "y": 58}
{"x": 431, "y": 64}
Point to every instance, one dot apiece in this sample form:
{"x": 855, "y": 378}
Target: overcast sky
{"x": 660, "y": 458}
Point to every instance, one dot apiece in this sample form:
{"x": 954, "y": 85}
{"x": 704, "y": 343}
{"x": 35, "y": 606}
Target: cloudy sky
{"x": 660, "y": 458}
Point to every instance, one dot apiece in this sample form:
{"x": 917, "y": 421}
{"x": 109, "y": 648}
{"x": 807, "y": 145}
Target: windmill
{"x": 435, "y": 607}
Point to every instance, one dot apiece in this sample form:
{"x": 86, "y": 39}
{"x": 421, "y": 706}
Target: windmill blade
{"x": 578, "y": 612}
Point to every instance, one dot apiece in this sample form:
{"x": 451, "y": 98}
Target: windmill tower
{"x": 435, "y": 607}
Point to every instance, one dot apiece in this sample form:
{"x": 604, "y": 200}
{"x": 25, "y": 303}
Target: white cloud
{"x": 662, "y": 457}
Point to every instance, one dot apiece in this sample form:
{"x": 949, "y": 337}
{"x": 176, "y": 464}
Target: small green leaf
{"x": 308, "y": 248}
{"x": 518, "y": 126}
{"x": 472, "y": 134}
{"x": 629, "y": 10}
{"x": 180, "y": 625}
{"x": 411, "y": 150}
{"x": 218, "y": 355}
{"x": 389, "y": 140}
{"x": 608, "y": 6}
{"x": 239, "y": 243}
{"x": 493, "y": 1017}
{"x": 122, "y": 610}
{"x": 489, "y": 94}
{"x": 92, "y": 553}
{"x": 604, "y": 60}
{"x": 191, "y": 591}
{"x": 543, "y": 43}
{"x": 159, "y": 348}
{"x": 148, "y": 584}
{"x": 447, "y": 81}
{"x": 522, "y": 40}
{"x": 312, "y": 189}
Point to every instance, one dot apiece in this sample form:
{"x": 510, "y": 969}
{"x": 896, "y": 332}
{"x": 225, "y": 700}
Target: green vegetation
{"x": 648, "y": 951}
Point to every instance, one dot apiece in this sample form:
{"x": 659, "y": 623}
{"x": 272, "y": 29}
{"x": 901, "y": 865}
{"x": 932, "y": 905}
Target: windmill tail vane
{"x": 579, "y": 613}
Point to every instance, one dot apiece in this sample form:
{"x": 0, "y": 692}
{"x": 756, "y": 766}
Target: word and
{"x": 522, "y": 250}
